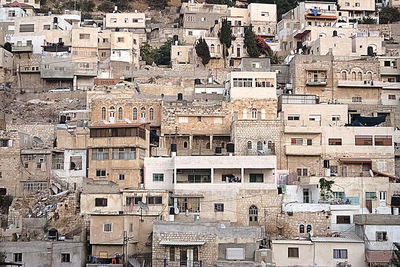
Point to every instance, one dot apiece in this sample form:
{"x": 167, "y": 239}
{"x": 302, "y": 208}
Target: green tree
{"x": 87, "y": 6}
{"x": 220, "y": 2}
{"x": 147, "y": 53}
{"x": 326, "y": 188}
{"x": 396, "y": 255}
{"x": 367, "y": 20}
{"x": 7, "y": 46}
{"x": 203, "y": 51}
{"x": 389, "y": 15}
{"x": 250, "y": 42}
{"x": 225, "y": 37}
{"x": 106, "y": 6}
{"x": 163, "y": 54}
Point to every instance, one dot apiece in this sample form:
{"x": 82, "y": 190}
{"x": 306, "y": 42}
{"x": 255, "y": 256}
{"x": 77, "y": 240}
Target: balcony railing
{"x": 25, "y": 48}
{"x": 186, "y": 263}
{"x": 316, "y": 82}
{"x": 346, "y": 201}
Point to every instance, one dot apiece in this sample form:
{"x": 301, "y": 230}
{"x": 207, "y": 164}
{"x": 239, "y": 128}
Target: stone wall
{"x": 289, "y": 224}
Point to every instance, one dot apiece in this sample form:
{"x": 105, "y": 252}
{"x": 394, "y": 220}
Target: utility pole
{"x": 125, "y": 250}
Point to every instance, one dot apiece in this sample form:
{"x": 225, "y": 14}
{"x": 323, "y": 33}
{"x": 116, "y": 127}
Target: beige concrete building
{"x": 263, "y": 18}
{"x": 358, "y": 9}
{"x": 132, "y": 22}
{"x": 321, "y": 251}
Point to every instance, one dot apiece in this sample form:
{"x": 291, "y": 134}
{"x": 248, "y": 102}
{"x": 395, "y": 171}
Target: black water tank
{"x": 173, "y": 147}
{"x": 53, "y": 234}
{"x": 218, "y": 150}
{"x": 230, "y": 148}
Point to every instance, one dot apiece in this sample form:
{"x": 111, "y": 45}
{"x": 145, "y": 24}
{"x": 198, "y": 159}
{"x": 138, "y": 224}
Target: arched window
{"x": 134, "y": 114}
{"x": 212, "y": 48}
{"x": 259, "y": 146}
{"x": 359, "y": 76}
{"x": 309, "y": 228}
{"x": 244, "y": 113}
{"x": 143, "y": 114}
{"x": 253, "y": 214}
{"x": 180, "y": 96}
{"x": 353, "y": 76}
{"x": 344, "y": 75}
{"x": 269, "y": 144}
{"x": 120, "y": 114}
{"x": 301, "y": 229}
{"x": 185, "y": 144}
{"x": 103, "y": 113}
{"x": 112, "y": 113}
{"x": 254, "y": 113}
{"x": 259, "y": 29}
{"x": 218, "y": 49}
{"x": 151, "y": 114}
{"x": 249, "y": 145}
{"x": 369, "y": 76}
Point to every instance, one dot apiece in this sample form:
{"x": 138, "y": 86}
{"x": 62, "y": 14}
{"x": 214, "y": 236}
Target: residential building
{"x": 358, "y": 9}
{"x": 134, "y": 22}
{"x": 381, "y": 231}
{"x": 34, "y": 4}
{"x": 263, "y": 19}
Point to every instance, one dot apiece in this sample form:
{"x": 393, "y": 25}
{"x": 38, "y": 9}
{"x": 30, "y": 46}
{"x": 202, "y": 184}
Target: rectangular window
{"x": 339, "y": 195}
{"x": 84, "y": 36}
{"x": 154, "y": 200}
{"x": 293, "y": 117}
{"x": 65, "y": 257}
{"x": 171, "y": 254}
{"x": 302, "y": 172}
{"x": 256, "y": 178}
{"x": 383, "y": 140}
{"x": 296, "y": 141}
{"x": 293, "y": 252}
{"x": 133, "y": 200}
{"x": 121, "y": 176}
{"x": 356, "y": 99}
{"x": 183, "y": 119}
{"x": 100, "y": 173}
{"x": 100, "y": 202}
{"x": 340, "y": 253}
{"x": 309, "y": 142}
{"x": 314, "y": 118}
{"x": 381, "y": 236}
{"x": 242, "y": 82}
{"x": 120, "y": 39}
{"x": 335, "y": 141}
{"x": 335, "y": 117}
{"x": 382, "y": 195}
{"x": 57, "y": 161}
{"x": 370, "y": 195}
{"x": 26, "y": 27}
{"x": 17, "y": 257}
{"x": 107, "y": 227}
{"x": 158, "y": 177}
{"x": 46, "y": 27}
{"x": 392, "y": 97}
{"x": 124, "y": 153}
{"x": 219, "y": 207}
{"x": 5, "y": 142}
{"x": 100, "y": 154}
{"x": 189, "y": 204}
{"x": 342, "y": 219}
{"x": 363, "y": 140}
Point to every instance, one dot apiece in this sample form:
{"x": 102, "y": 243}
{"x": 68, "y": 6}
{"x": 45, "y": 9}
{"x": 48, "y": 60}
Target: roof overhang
{"x": 302, "y": 34}
{"x": 181, "y": 243}
{"x": 355, "y": 160}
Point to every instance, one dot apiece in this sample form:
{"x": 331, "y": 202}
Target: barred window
{"x": 124, "y": 153}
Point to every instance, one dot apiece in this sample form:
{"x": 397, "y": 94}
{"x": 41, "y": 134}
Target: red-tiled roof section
{"x": 17, "y": 4}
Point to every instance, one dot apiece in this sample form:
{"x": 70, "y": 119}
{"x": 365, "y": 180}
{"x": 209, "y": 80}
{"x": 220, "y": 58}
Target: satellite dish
{"x": 143, "y": 206}
{"x": 176, "y": 210}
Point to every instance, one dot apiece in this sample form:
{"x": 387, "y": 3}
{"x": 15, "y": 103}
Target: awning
{"x": 384, "y": 174}
{"x": 181, "y": 243}
{"x": 321, "y": 17}
{"x": 379, "y": 256}
{"x": 187, "y": 195}
{"x": 302, "y": 34}
{"x": 355, "y": 160}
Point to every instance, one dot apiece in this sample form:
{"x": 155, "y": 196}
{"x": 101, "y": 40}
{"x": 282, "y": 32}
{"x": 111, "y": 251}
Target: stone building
{"x": 205, "y": 244}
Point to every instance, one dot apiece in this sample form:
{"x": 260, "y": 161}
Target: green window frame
{"x": 158, "y": 177}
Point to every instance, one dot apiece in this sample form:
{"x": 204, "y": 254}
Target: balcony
{"x": 316, "y": 82}
{"x": 390, "y": 71}
{"x": 56, "y": 47}
{"x": 22, "y": 49}
{"x": 302, "y": 150}
{"x": 360, "y": 84}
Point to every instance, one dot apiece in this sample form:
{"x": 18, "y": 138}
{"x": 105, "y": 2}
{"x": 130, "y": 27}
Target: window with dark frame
{"x": 65, "y": 257}
{"x": 340, "y": 253}
{"x": 293, "y": 252}
{"x": 363, "y": 140}
{"x": 132, "y": 200}
{"x": 100, "y": 202}
{"x": 335, "y": 141}
{"x": 156, "y": 200}
{"x": 342, "y": 219}
{"x": 18, "y": 257}
{"x": 381, "y": 236}
{"x": 171, "y": 254}
{"x": 218, "y": 207}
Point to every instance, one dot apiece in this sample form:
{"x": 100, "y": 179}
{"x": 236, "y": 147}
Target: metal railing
{"x": 185, "y": 263}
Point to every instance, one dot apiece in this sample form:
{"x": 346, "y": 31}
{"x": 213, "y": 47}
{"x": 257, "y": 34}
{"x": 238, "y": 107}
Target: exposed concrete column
{"x": 242, "y": 174}
{"x": 74, "y": 83}
{"x": 212, "y": 175}
{"x": 211, "y": 141}
{"x": 191, "y": 141}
